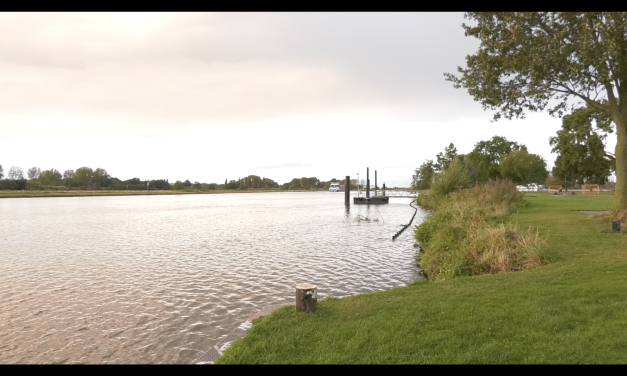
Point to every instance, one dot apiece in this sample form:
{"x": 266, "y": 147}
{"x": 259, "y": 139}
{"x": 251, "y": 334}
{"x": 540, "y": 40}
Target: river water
{"x": 160, "y": 279}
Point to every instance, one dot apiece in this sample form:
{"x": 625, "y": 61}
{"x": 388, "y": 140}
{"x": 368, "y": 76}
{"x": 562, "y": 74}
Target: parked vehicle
{"x": 533, "y": 187}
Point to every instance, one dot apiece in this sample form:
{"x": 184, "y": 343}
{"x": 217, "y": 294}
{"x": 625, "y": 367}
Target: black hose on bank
{"x": 407, "y": 225}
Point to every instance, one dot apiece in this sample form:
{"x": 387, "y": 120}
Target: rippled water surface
{"x": 160, "y": 279}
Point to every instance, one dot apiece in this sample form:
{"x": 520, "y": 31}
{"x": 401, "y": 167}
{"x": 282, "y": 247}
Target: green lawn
{"x": 573, "y": 310}
{"x": 577, "y": 193}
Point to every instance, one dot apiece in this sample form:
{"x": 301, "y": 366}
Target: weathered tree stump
{"x": 306, "y": 298}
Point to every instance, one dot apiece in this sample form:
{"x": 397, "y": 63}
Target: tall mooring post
{"x": 367, "y": 182}
{"x": 375, "y": 182}
{"x": 384, "y": 189}
{"x": 347, "y": 191}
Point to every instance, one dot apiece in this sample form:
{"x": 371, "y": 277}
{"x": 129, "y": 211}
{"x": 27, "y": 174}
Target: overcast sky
{"x": 209, "y": 97}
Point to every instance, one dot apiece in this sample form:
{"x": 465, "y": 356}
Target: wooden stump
{"x": 306, "y": 298}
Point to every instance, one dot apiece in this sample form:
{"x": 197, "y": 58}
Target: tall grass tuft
{"x": 466, "y": 236}
{"x": 618, "y": 215}
{"x": 611, "y": 215}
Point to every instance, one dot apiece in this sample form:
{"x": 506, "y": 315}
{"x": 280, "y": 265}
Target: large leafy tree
{"x": 84, "y": 176}
{"x": 555, "y": 61}
{"x": 68, "y": 177}
{"x": 50, "y": 177}
{"x": 444, "y": 158}
{"x": 16, "y": 173}
{"x": 580, "y": 146}
{"x": 101, "y": 177}
{"x": 295, "y": 184}
{"x": 487, "y": 155}
{"x": 312, "y": 182}
{"x": 523, "y": 168}
{"x": 33, "y": 172}
{"x": 68, "y": 174}
{"x": 423, "y": 176}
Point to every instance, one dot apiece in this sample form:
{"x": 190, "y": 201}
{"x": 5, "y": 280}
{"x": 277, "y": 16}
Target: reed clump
{"x": 466, "y": 234}
{"x": 616, "y": 215}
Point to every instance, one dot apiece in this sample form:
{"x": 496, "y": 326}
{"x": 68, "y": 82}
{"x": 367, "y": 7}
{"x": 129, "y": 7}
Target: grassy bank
{"x": 572, "y": 310}
{"x": 466, "y": 235}
{"x": 33, "y": 193}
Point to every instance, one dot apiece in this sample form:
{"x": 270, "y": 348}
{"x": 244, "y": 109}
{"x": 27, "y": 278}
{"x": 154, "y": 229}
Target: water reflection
{"x": 157, "y": 279}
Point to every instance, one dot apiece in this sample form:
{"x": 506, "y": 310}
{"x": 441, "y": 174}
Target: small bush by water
{"x": 465, "y": 235}
{"x": 459, "y": 174}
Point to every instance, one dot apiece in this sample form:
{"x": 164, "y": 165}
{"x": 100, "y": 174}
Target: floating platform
{"x": 371, "y": 201}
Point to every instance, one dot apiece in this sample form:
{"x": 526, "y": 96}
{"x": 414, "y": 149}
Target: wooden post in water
{"x": 306, "y": 298}
{"x": 367, "y": 182}
{"x": 384, "y": 189}
{"x": 375, "y": 182}
{"x": 347, "y": 191}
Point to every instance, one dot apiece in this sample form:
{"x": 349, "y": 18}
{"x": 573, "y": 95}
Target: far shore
{"x": 77, "y": 193}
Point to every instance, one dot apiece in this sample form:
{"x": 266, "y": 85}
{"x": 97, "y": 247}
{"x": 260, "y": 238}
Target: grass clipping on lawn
{"x": 466, "y": 234}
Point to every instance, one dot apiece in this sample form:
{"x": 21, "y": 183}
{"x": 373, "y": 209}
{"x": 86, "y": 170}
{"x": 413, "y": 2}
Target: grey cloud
{"x": 210, "y": 68}
{"x": 395, "y": 58}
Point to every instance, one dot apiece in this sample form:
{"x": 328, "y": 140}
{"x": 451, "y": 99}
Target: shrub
{"x": 428, "y": 199}
{"x": 459, "y": 174}
{"x": 464, "y": 236}
{"x": 503, "y": 248}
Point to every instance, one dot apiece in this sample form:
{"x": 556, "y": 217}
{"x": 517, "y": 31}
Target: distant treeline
{"x": 85, "y": 178}
{"x": 313, "y": 183}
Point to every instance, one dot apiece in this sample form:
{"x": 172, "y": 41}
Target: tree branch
{"x": 592, "y": 103}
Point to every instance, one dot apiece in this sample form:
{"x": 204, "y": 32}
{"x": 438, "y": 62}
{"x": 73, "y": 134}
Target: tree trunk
{"x": 620, "y": 200}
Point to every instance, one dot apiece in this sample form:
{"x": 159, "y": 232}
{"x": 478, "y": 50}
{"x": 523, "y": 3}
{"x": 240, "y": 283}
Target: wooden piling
{"x": 367, "y": 182}
{"x": 306, "y": 298}
{"x": 347, "y": 191}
